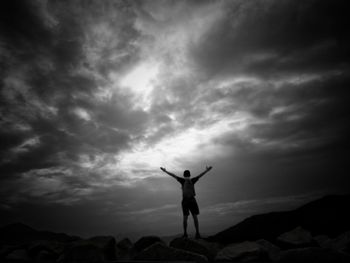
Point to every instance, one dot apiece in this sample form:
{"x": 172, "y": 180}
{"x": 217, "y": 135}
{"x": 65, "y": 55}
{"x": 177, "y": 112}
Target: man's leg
{"x": 196, "y": 224}
{"x": 185, "y": 225}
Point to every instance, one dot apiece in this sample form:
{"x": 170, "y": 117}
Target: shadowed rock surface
{"x": 298, "y": 237}
{"x": 18, "y": 255}
{"x": 45, "y": 249}
{"x": 323, "y": 241}
{"x": 313, "y": 254}
{"x": 272, "y": 250}
{"x": 159, "y": 251}
{"x": 84, "y": 253}
{"x": 90, "y": 250}
{"x": 244, "y": 252}
{"x": 107, "y": 244}
{"x": 123, "y": 249}
{"x": 340, "y": 243}
{"x": 145, "y": 242}
{"x": 197, "y": 246}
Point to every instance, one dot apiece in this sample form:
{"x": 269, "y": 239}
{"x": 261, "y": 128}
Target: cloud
{"x": 274, "y": 38}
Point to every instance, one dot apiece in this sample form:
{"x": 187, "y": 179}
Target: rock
{"x": 5, "y": 250}
{"x": 107, "y": 244}
{"x": 161, "y": 252}
{"x": 342, "y": 243}
{"x": 18, "y": 254}
{"x": 213, "y": 247}
{"x": 298, "y": 237}
{"x": 246, "y": 252}
{"x": 145, "y": 242}
{"x": 323, "y": 241}
{"x": 272, "y": 250}
{"x": 44, "y": 255}
{"x": 202, "y": 248}
{"x": 313, "y": 254}
{"x": 125, "y": 244}
{"x": 102, "y": 248}
{"x": 123, "y": 249}
{"x": 52, "y": 247}
{"x": 82, "y": 253}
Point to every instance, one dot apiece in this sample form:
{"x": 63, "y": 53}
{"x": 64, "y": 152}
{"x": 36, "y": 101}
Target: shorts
{"x": 190, "y": 205}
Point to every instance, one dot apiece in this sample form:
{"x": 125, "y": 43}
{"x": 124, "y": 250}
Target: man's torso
{"x": 187, "y": 186}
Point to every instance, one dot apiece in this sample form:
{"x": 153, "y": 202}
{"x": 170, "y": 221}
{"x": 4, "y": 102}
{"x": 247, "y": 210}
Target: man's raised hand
{"x": 163, "y": 169}
{"x": 208, "y": 168}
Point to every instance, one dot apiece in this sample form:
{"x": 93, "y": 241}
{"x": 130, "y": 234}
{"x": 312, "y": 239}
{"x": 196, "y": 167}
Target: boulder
{"x": 82, "y": 253}
{"x": 145, "y": 242}
{"x": 323, "y": 241}
{"x": 313, "y": 254}
{"x": 298, "y": 237}
{"x": 246, "y": 252}
{"x": 52, "y": 247}
{"x": 44, "y": 255}
{"x": 272, "y": 250}
{"x": 123, "y": 249}
{"x": 200, "y": 247}
{"x": 5, "y": 250}
{"x": 342, "y": 242}
{"x": 107, "y": 244}
{"x": 161, "y": 252}
{"x": 212, "y": 247}
{"x": 18, "y": 254}
{"x": 125, "y": 244}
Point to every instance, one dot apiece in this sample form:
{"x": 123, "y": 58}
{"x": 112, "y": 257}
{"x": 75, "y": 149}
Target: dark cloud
{"x": 276, "y": 37}
{"x": 41, "y": 88}
{"x": 22, "y": 23}
{"x": 295, "y": 117}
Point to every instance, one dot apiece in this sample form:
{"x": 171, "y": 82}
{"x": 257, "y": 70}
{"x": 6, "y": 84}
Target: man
{"x": 189, "y": 203}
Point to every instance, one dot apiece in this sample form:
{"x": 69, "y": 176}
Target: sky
{"x": 95, "y": 96}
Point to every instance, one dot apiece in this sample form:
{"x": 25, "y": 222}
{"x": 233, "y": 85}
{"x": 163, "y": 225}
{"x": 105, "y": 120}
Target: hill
{"x": 328, "y": 215}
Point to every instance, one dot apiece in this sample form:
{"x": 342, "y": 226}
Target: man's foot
{"x": 185, "y": 235}
{"x": 198, "y": 236}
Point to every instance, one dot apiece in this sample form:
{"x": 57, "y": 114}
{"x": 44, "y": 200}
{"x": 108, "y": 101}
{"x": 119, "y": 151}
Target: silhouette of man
{"x": 189, "y": 203}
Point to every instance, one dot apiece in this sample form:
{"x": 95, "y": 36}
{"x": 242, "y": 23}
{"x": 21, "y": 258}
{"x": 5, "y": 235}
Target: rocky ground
{"x": 20, "y": 243}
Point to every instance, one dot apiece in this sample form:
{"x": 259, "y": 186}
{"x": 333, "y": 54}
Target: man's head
{"x": 187, "y": 173}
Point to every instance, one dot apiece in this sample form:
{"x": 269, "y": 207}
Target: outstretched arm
{"x": 207, "y": 169}
{"x": 171, "y": 174}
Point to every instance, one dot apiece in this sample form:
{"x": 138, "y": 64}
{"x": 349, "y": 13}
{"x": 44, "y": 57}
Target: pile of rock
{"x": 296, "y": 245}
{"x": 97, "y": 249}
{"x": 315, "y": 232}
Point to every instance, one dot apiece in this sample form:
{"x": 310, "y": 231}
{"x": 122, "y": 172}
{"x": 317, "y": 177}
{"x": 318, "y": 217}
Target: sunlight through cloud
{"x": 187, "y": 147}
{"x": 140, "y": 81}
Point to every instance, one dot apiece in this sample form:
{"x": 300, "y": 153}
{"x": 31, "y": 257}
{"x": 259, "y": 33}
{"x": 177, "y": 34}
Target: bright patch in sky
{"x": 27, "y": 145}
{"x": 82, "y": 114}
{"x": 183, "y": 149}
{"x": 140, "y": 81}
